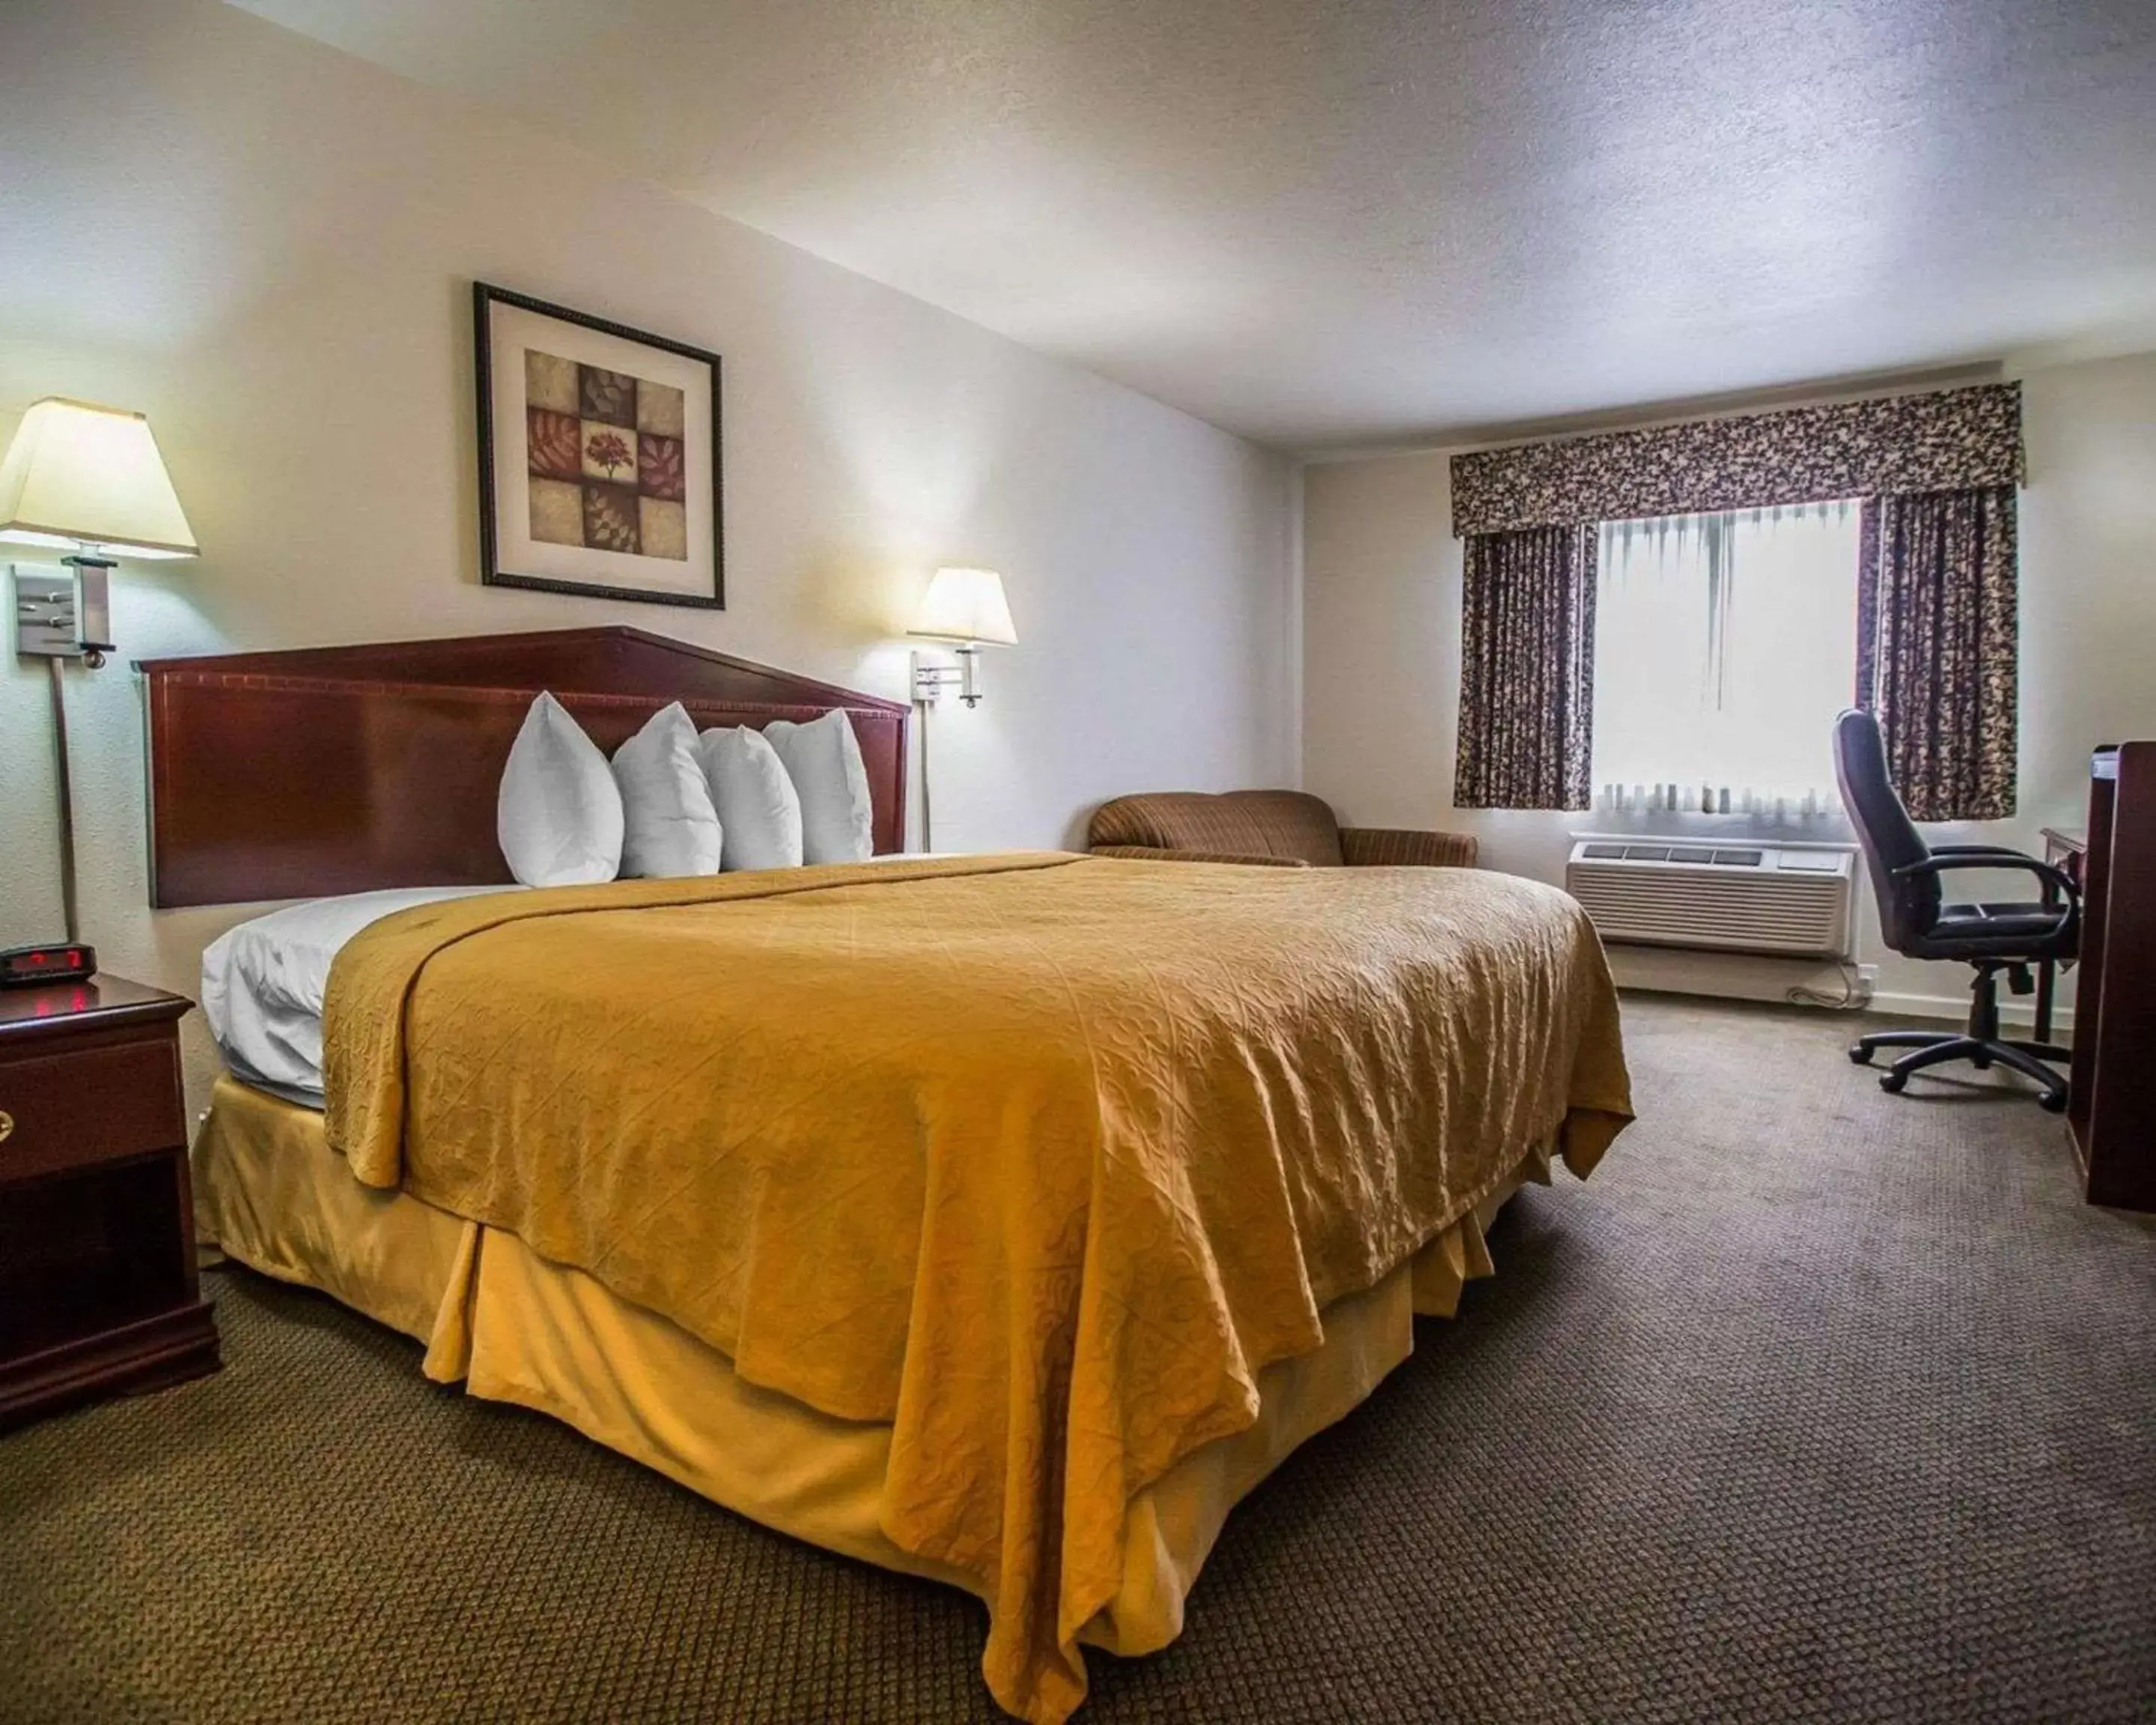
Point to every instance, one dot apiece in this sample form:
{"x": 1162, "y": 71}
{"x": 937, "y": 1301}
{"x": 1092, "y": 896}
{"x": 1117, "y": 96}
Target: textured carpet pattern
{"x": 1815, "y": 1403}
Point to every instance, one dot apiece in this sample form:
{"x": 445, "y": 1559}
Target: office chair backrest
{"x": 1890, "y": 840}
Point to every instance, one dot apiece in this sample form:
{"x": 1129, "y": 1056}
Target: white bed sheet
{"x": 262, "y": 983}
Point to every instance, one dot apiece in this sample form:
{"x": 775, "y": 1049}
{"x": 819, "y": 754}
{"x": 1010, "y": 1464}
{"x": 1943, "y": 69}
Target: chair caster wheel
{"x": 1858, "y": 1055}
{"x": 1893, "y": 1083}
{"x": 2052, "y": 1101}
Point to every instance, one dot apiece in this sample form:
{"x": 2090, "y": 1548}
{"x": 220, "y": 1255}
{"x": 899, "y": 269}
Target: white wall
{"x": 268, "y": 246}
{"x": 1381, "y": 648}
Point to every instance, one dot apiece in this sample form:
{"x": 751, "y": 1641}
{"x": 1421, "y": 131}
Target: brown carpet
{"x": 1815, "y": 1403}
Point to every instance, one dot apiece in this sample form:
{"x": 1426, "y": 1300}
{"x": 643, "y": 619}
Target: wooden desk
{"x": 2111, "y": 1114}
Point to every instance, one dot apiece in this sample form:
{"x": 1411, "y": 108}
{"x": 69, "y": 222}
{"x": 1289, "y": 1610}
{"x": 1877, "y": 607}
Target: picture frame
{"x": 599, "y": 456}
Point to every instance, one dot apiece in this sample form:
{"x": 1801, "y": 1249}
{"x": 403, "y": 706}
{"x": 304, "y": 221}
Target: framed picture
{"x": 598, "y": 456}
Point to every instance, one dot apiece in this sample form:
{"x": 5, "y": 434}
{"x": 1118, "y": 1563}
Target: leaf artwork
{"x": 606, "y": 449}
{"x": 553, "y": 438}
{"x": 606, "y": 460}
{"x": 659, "y": 467}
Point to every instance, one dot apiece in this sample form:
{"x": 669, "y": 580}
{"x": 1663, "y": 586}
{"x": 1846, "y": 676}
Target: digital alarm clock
{"x": 26, "y": 966}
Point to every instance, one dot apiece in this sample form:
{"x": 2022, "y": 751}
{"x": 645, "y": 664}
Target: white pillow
{"x": 823, "y": 757}
{"x": 759, "y": 809}
{"x": 558, "y": 816}
{"x": 670, "y": 828}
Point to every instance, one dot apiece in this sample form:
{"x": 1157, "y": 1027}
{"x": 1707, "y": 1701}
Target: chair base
{"x": 1933, "y": 1048}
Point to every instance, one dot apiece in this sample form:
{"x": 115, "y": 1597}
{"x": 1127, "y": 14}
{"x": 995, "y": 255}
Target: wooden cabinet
{"x": 97, "y": 1274}
{"x": 2112, "y": 1111}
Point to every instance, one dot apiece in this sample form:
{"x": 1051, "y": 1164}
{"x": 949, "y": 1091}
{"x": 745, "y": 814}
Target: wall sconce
{"x": 965, "y": 606}
{"x": 88, "y": 480}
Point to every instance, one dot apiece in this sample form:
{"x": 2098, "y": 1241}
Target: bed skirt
{"x": 512, "y": 1326}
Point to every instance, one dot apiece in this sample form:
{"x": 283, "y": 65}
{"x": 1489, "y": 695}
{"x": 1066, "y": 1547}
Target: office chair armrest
{"x": 1971, "y": 856}
{"x": 2002, "y": 858}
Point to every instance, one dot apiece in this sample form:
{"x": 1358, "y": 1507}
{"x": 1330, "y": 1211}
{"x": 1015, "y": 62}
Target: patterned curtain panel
{"x": 1936, "y": 647}
{"x": 1527, "y": 669}
{"x": 1947, "y": 439}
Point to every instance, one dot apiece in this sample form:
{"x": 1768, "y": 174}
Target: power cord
{"x": 1852, "y": 990}
{"x": 66, "y": 789}
{"x": 927, "y": 842}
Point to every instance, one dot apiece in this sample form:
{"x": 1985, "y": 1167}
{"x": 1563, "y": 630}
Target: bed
{"x": 1003, "y": 1219}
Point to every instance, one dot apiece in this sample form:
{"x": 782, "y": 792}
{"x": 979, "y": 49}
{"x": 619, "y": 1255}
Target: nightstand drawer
{"x": 64, "y": 1111}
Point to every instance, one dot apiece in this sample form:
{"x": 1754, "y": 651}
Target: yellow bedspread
{"x": 1038, "y": 1159}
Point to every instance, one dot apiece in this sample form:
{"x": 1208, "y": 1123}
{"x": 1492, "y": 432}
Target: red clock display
{"x": 24, "y": 966}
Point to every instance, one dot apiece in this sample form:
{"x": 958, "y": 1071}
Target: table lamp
{"x": 88, "y": 479}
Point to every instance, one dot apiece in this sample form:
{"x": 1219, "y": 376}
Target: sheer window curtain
{"x": 1724, "y": 649}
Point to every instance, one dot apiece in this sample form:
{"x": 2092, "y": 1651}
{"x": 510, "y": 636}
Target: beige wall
{"x": 1381, "y": 644}
{"x": 268, "y": 246}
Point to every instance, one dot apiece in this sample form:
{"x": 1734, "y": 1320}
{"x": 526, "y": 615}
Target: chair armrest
{"x": 1994, "y": 856}
{"x": 1374, "y": 847}
{"x": 1153, "y": 853}
{"x": 1971, "y": 856}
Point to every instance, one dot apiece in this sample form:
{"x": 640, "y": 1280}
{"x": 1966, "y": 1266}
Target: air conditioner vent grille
{"x": 1725, "y": 898}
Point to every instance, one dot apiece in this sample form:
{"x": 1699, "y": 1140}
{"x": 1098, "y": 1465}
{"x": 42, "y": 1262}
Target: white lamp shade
{"x": 77, "y": 474}
{"x": 965, "y": 605}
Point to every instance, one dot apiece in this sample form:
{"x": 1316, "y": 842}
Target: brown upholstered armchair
{"x": 1288, "y": 829}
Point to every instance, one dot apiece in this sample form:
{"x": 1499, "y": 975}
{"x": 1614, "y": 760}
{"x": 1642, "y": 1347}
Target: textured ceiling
{"x": 1366, "y": 222}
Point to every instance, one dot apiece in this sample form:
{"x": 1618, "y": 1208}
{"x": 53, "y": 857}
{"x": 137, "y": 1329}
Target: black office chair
{"x": 1905, "y": 877}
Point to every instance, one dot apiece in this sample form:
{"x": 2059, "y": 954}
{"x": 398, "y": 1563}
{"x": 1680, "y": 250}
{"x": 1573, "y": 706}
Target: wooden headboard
{"x": 339, "y": 769}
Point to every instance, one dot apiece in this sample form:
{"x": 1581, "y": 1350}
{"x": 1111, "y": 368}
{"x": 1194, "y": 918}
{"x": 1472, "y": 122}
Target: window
{"x": 1725, "y": 644}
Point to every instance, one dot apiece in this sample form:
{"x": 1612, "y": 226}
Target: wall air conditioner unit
{"x": 1785, "y": 900}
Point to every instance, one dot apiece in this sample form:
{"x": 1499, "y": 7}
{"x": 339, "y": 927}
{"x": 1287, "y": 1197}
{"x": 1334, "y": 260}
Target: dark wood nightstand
{"x": 97, "y": 1238}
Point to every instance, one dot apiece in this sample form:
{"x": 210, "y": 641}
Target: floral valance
{"x": 1945, "y": 440}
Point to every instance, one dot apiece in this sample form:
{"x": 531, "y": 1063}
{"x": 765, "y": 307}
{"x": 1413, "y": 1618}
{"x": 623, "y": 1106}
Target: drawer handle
{"x": 7, "y": 1126}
